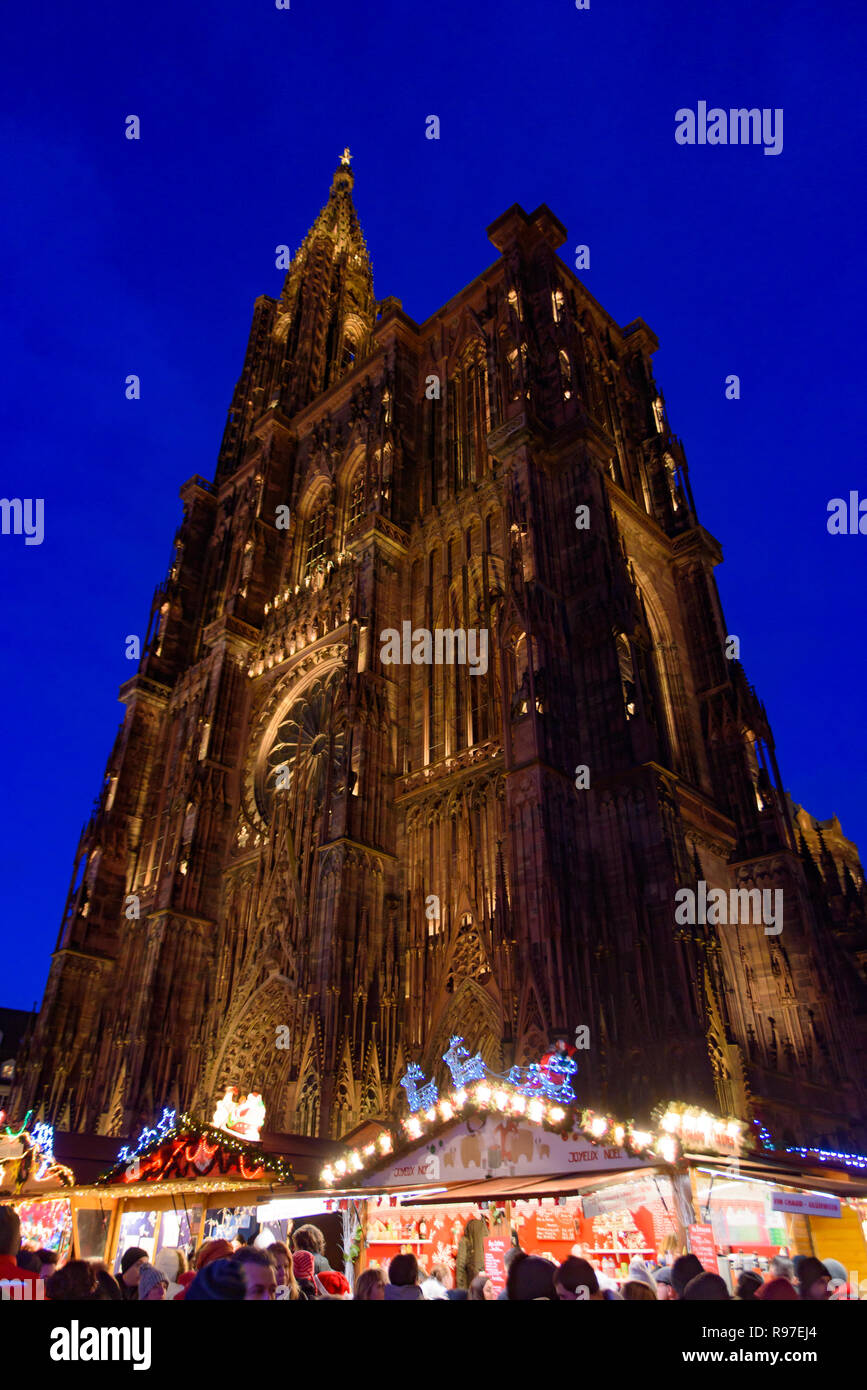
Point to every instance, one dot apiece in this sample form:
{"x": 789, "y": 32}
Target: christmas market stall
{"x": 181, "y": 1183}
{"x": 37, "y": 1185}
{"x": 515, "y": 1158}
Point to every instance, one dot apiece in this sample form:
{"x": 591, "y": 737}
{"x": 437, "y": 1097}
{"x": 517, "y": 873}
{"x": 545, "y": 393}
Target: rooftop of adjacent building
{"x": 13, "y": 1025}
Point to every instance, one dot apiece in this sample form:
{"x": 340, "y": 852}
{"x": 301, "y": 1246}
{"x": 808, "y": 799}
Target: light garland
{"x": 545, "y": 1080}
{"x": 765, "y": 1137}
{"x": 171, "y": 1127}
{"x": 165, "y": 1124}
{"x": 823, "y": 1155}
{"x": 699, "y": 1129}
{"x": 678, "y": 1125}
{"x": 36, "y": 1145}
{"x": 831, "y": 1156}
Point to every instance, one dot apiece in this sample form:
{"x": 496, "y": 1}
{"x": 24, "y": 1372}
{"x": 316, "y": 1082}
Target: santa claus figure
{"x": 226, "y": 1111}
{"x": 250, "y": 1117}
{"x": 557, "y": 1066}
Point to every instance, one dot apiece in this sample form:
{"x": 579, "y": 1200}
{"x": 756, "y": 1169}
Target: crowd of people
{"x": 229, "y": 1271}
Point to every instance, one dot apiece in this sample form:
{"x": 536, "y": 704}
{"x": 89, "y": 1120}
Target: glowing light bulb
{"x": 501, "y": 1100}
{"x": 668, "y": 1149}
{"x": 483, "y": 1093}
{"x": 460, "y": 1097}
{"x": 598, "y": 1127}
{"x": 619, "y": 1134}
{"x": 519, "y": 1104}
{"x": 446, "y": 1109}
{"x": 556, "y": 1114}
{"x": 535, "y": 1111}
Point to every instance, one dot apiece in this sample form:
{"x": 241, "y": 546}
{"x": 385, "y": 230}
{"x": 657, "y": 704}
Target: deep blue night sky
{"x": 121, "y": 257}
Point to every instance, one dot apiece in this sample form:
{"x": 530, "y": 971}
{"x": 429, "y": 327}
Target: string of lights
{"x": 678, "y": 1125}
{"x": 207, "y": 1141}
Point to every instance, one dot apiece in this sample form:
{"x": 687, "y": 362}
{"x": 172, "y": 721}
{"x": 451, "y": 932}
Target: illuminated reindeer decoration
{"x": 419, "y": 1098}
{"x": 549, "y": 1079}
{"x": 462, "y": 1066}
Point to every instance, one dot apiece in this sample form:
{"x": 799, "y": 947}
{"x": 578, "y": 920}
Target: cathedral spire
{"x": 327, "y": 308}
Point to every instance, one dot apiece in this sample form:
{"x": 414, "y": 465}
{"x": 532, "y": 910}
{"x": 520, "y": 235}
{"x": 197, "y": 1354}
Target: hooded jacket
{"x": 471, "y": 1252}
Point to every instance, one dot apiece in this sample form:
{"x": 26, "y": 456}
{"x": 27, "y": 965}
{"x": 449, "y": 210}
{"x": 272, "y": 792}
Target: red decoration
{"x": 183, "y": 1158}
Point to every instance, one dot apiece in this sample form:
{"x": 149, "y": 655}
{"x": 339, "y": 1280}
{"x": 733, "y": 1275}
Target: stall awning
{"x": 783, "y": 1174}
{"x": 502, "y": 1189}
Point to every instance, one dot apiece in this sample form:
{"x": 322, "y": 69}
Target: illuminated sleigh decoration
{"x": 27, "y": 1163}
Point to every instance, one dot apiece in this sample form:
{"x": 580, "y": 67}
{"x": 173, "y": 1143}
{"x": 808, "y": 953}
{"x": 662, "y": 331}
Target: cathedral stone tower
{"x": 293, "y": 831}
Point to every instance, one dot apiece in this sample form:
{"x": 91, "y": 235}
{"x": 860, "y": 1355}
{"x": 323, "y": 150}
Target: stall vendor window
{"x": 225, "y": 1223}
{"x": 93, "y": 1224}
{"x": 136, "y": 1228}
{"x": 180, "y": 1229}
{"x": 47, "y": 1225}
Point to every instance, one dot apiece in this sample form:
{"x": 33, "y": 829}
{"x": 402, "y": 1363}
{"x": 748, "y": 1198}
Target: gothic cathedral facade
{"x": 295, "y": 835}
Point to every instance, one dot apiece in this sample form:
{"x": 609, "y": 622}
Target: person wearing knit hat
{"x": 706, "y": 1288}
{"x": 638, "y": 1271}
{"x": 685, "y": 1267}
{"x": 219, "y": 1281}
{"x": 575, "y": 1280}
{"x": 778, "y": 1291}
{"x": 664, "y": 1291}
{"x": 152, "y": 1284}
{"x": 530, "y": 1277}
{"x": 838, "y": 1288}
{"x": 304, "y": 1269}
{"x": 213, "y": 1250}
{"x": 210, "y": 1251}
{"x": 636, "y": 1291}
{"x": 813, "y": 1280}
{"x": 171, "y": 1262}
{"x": 748, "y": 1285}
{"x": 130, "y": 1269}
{"x": 335, "y": 1283}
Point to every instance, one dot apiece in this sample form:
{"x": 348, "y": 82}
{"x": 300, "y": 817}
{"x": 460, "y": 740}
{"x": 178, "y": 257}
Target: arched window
{"x": 627, "y": 674}
{"x": 514, "y": 382}
{"x": 355, "y": 502}
{"x": 565, "y": 374}
{"x": 307, "y": 1110}
{"x": 467, "y": 419}
{"x": 316, "y": 537}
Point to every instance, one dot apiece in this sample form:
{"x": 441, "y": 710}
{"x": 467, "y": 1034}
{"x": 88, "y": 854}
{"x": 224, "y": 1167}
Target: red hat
{"x": 213, "y": 1250}
{"x": 777, "y": 1291}
{"x": 333, "y": 1281}
{"x": 302, "y": 1265}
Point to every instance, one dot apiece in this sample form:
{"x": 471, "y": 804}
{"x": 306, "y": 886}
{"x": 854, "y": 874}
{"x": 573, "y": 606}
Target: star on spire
{"x": 346, "y": 158}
